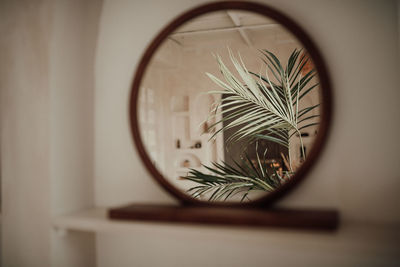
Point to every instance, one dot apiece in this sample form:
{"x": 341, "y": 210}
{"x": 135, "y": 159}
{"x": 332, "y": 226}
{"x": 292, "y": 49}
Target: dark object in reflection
{"x": 305, "y": 134}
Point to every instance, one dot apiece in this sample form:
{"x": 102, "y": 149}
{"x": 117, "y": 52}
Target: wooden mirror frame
{"x": 323, "y": 76}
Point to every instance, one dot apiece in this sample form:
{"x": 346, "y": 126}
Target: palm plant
{"x": 257, "y": 107}
{"x": 226, "y": 180}
{"x": 262, "y": 108}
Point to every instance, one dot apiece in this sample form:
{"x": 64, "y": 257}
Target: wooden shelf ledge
{"x": 282, "y": 218}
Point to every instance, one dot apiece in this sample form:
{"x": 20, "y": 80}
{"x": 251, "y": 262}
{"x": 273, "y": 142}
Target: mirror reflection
{"x": 229, "y": 106}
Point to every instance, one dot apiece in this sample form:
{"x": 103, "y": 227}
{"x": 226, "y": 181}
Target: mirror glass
{"x": 228, "y": 106}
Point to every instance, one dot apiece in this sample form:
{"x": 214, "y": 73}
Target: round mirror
{"x": 230, "y": 104}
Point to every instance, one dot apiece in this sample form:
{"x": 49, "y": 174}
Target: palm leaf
{"x": 222, "y": 181}
{"x": 259, "y": 107}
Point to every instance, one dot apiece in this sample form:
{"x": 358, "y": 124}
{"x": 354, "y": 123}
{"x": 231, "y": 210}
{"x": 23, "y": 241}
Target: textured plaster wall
{"x": 25, "y": 93}
{"x": 46, "y": 80}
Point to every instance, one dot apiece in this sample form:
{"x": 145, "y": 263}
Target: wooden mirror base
{"x": 258, "y": 217}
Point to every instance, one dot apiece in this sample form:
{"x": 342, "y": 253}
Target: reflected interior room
{"x": 175, "y": 100}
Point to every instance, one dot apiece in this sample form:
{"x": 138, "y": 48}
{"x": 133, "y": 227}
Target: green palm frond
{"x": 256, "y": 107}
{"x": 260, "y": 107}
{"x": 222, "y": 181}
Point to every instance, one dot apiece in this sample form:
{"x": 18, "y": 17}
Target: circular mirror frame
{"x": 323, "y": 76}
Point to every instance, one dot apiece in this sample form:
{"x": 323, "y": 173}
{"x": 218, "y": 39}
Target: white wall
{"x": 72, "y": 52}
{"x": 358, "y": 172}
{"x": 47, "y": 86}
{"x": 25, "y": 151}
{"x": 120, "y": 177}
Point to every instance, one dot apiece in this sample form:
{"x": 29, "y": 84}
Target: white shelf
{"x": 362, "y": 241}
{"x": 86, "y": 220}
{"x": 365, "y": 243}
{"x": 96, "y": 220}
